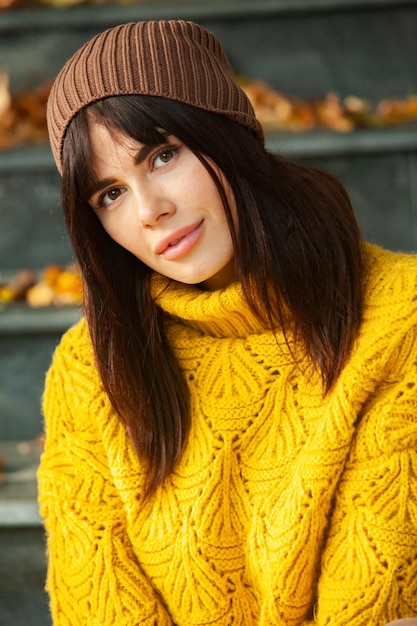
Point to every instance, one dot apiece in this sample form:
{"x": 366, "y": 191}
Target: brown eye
{"x": 166, "y": 155}
{"x": 110, "y": 196}
{"x": 163, "y": 157}
{"x": 113, "y": 194}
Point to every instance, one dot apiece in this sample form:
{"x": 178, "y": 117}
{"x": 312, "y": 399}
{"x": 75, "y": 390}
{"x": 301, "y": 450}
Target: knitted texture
{"x": 285, "y": 507}
{"x": 172, "y": 59}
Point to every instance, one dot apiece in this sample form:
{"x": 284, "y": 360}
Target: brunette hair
{"x": 297, "y": 248}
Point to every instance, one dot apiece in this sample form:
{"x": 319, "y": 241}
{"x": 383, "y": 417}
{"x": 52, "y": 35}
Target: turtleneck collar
{"x": 221, "y": 313}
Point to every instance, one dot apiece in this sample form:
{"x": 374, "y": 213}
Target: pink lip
{"x": 185, "y": 239}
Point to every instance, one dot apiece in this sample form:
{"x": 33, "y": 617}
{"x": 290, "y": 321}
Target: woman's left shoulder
{"x": 390, "y": 281}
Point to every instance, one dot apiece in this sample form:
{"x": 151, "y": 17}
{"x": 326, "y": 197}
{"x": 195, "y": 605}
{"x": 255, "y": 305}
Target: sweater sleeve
{"x": 93, "y": 576}
{"x": 369, "y": 565}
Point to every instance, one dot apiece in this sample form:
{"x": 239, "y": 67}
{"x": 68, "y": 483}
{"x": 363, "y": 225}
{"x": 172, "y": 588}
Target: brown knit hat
{"x": 177, "y": 60}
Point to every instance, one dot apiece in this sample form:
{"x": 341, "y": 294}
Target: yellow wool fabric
{"x": 285, "y": 509}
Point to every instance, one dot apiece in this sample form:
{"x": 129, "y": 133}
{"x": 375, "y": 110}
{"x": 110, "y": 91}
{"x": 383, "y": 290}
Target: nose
{"x": 153, "y": 205}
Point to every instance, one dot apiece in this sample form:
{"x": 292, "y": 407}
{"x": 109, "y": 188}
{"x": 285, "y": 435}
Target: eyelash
{"x": 169, "y": 148}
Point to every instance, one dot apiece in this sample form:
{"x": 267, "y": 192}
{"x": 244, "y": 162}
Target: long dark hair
{"x": 297, "y": 249}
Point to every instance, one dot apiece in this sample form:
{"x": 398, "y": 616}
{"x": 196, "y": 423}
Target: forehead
{"x": 101, "y": 136}
{"x": 110, "y": 148}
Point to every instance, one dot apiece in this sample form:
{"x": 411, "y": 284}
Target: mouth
{"x": 179, "y": 242}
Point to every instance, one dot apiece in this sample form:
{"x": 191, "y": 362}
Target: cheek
{"x": 121, "y": 230}
{"x": 112, "y": 229}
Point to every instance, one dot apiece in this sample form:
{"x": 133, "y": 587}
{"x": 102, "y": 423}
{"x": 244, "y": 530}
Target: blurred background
{"x": 334, "y": 82}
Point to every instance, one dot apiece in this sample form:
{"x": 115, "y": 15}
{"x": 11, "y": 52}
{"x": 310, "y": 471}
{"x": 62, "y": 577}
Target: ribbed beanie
{"x": 173, "y": 59}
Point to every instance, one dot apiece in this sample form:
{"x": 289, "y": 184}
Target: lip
{"x": 186, "y": 238}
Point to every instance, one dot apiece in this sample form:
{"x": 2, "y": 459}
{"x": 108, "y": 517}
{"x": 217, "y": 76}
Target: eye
{"x": 164, "y": 156}
{"x": 110, "y": 196}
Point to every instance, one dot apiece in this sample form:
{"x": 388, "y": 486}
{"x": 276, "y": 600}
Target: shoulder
{"x": 76, "y": 341}
{"x": 74, "y": 350}
{"x": 388, "y": 332}
{"x": 72, "y": 377}
{"x": 383, "y": 370}
{"x": 390, "y": 281}
{"x": 390, "y": 301}
{"x": 75, "y": 405}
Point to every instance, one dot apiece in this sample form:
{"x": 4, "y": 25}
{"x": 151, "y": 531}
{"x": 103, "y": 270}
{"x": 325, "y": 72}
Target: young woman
{"x": 231, "y": 430}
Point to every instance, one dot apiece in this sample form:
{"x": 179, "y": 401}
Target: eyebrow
{"x": 100, "y": 185}
{"x": 143, "y": 152}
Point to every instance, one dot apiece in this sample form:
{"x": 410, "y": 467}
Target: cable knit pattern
{"x": 285, "y": 509}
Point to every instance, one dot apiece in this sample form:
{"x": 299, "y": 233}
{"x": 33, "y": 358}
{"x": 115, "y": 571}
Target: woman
{"x": 231, "y": 431}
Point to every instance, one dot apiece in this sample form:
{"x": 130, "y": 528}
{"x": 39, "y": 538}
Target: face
{"x": 162, "y": 205}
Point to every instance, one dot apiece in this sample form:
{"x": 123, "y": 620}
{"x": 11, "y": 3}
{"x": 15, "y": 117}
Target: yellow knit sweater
{"x": 286, "y": 508}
